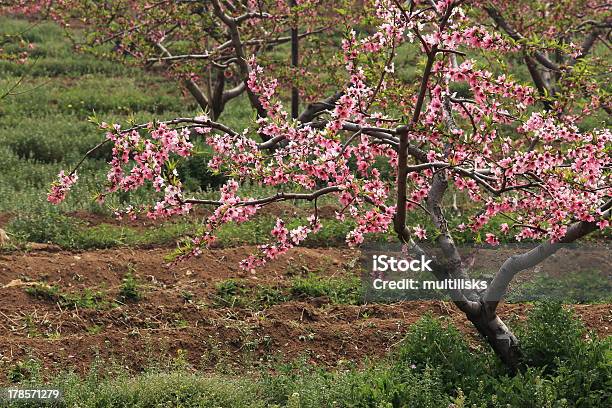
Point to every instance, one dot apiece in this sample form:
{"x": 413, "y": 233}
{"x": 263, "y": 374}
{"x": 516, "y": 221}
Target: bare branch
{"x": 515, "y": 35}
{"x": 281, "y": 196}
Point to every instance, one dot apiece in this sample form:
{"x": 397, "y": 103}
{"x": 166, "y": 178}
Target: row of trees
{"x": 535, "y": 154}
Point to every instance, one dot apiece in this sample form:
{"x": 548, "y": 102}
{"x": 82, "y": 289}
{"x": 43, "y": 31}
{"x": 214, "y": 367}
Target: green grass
{"x": 433, "y": 367}
{"x": 339, "y": 290}
{"x": 130, "y": 290}
{"x": 44, "y": 128}
{"x": 49, "y": 224}
{"x": 587, "y": 286}
{"x": 87, "y": 299}
{"x": 239, "y": 293}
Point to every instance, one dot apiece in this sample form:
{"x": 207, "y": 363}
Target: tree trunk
{"x": 503, "y": 342}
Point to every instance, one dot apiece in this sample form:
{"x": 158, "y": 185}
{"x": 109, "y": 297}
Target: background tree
{"x": 556, "y": 36}
{"x": 13, "y": 48}
{"x": 205, "y": 44}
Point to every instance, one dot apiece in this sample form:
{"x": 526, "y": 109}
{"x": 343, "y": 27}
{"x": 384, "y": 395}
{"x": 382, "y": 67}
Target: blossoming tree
{"x": 553, "y": 35}
{"x": 462, "y": 124}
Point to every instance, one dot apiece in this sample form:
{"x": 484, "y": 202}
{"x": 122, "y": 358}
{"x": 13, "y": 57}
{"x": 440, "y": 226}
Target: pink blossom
{"x": 420, "y": 232}
{"x": 491, "y": 239}
{"x": 60, "y": 188}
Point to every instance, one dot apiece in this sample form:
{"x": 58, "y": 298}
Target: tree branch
{"x": 281, "y": 196}
{"x": 517, "y": 263}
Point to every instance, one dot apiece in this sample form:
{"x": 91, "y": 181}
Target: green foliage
{"x": 173, "y": 389}
{"x": 374, "y": 386}
{"x": 266, "y": 296}
{"x": 340, "y": 290}
{"x": 551, "y": 335}
{"x": 49, "y": 225}
{"x": 529, "y": 389}
{"x": 432, "y": 368}
{"x": 45, "y": 226}
{"x": 231, "y": 293}
{"x": 130, "y": 288}
{"x": 433, "y": 343}
{"x": 237, "y": 293}
{"x": 87, "y": 299}
{"x": 575, "y": 287}
{"x": 194, "y": 172}
{"x": 24, "y": 371}
{"x": 44, "y": 128}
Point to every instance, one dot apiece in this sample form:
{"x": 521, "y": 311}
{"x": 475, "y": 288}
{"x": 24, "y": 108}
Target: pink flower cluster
{"x": 285, "y": 240}
{"x": 147, "y": 160}
{"x": 61, "y": 187}
{"x": 477, "y": 37}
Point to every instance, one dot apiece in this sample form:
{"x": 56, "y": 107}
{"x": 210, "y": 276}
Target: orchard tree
{"x": 555, "y": 35}
{"x": 461, "y": 123}
{"x": 206, "y": 44}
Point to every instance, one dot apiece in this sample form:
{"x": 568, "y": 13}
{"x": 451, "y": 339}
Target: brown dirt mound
{"x": 179, "y": 312}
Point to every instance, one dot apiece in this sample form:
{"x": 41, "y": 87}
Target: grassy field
{"x": 44, "y": 128}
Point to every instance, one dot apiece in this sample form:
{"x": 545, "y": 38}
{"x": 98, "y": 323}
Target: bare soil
{"x": 180, "y": 312}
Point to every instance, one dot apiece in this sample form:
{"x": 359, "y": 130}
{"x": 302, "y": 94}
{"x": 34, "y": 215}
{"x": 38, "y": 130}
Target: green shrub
{"x": 551, "y": 334}
{"x": 34, "y": 147}
{"x": 195, "y": 174}
{"x": 578, "y": 362}
{"x": 375, "y": 386}
{"x": 46, "y": 226}
{"x": 529, "y": 389}
{"x": 432, "y": 343}
{"x": 24, "y": 371}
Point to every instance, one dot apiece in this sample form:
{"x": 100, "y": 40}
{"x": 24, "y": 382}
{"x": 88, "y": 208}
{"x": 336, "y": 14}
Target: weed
{"x": 231, "y": 293}
{"x": 130, "y": 288}
{"x": 343, "y": 290}
{"x": 187, "y": 296}
{"x": 95, "y": 329}
{"x": 87, "y": 299}
{"x": 24, "y": 371}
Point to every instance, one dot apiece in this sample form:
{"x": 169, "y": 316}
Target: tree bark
{"x": 503, "y": 342}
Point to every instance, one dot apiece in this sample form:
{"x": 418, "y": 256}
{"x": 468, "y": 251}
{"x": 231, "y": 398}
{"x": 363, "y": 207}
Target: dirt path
{"x": 180, "y": 311}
